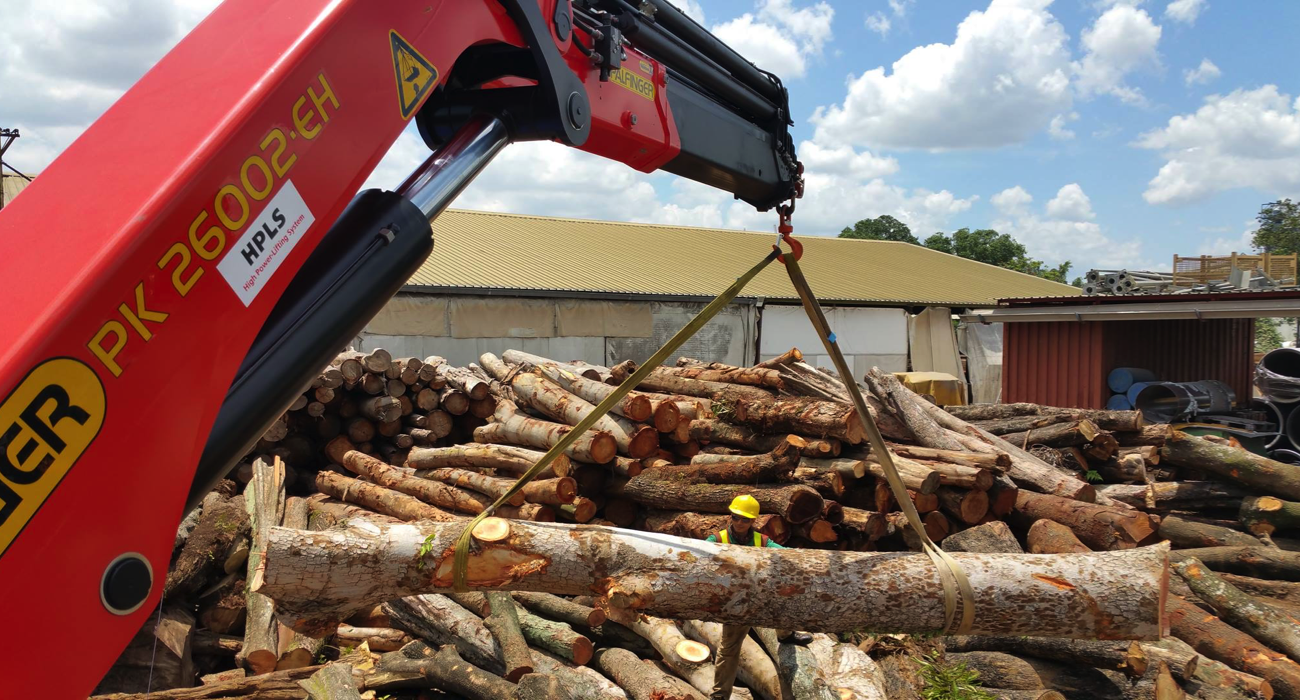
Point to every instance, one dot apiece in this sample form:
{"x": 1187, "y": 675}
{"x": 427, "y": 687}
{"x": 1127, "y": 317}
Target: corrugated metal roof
{"x": 10, "y": 186}
{"x": 482, "y": 250}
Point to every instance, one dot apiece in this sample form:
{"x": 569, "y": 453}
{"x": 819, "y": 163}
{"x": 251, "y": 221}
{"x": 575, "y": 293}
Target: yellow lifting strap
{"x": 957, "y": 591}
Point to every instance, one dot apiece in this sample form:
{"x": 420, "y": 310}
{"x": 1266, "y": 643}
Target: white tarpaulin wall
{"x": 982, "y": 343}
{"x": 869, "y": 337}
{"x": 934, "y": 342}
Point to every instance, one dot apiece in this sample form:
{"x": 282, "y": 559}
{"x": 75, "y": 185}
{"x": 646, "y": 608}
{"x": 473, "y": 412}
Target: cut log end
{"x": 492, "y": 529}
{"x": 691, "y": 651}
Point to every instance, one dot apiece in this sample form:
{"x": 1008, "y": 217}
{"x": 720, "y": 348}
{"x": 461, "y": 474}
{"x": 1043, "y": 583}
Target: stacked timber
{"x": 383, "y": 459}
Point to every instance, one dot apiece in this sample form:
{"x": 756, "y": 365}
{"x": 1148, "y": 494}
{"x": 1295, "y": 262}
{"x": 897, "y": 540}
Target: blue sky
{"x": 1112, "y": 133}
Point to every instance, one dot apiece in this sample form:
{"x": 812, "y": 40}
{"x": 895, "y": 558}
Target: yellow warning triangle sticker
{"x": 415, "y": 75}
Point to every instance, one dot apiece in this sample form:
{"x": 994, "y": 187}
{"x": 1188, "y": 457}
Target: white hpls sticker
{"x": 257, "y": 254}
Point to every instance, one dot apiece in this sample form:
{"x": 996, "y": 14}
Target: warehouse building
{"x": 602, "y": 292}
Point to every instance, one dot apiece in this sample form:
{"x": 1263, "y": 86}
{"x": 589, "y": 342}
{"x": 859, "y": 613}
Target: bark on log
{"x": 1220, "y": 641}
{"x": 641, "y": 679}
{"x": 751, "y": 376}
{"x": 447, "y": 670}
{"x": 989, "y": 538}
{"x": 1020, "y": 424}
{"x": 1259, "y": 561}
{"x": 1280, "y": 590}
{"x": 796, "y": 503}
{"x": 1107, "y": 654}
{"x": 503, "y": 623}
{"x": 1007, "y": 694}
{"x": 377, "y": 498}
{"x": 998, "y": 669}
{"x": 376, "y": 638}
{"x": 538, "y": 686}
{"x": 321, "y": 577}
{"x": 688, "y": 659}
{"x": 1002, "y": 496}
{"x": 1099, "y": 527}
{"x": 756, "y": 669}
{"x": 969, "y": 507}
{"x": 1264, "y": 515}
{"x": 432, "y": 492}
{"x": 552, "y": 400}
{"x": 515, "y": 428}
{"x": 663, "y": 381}
{"x": 1182, "y": 660}
{"x": 849, "y": 469}
{"x": 997, "y": 461}
{"x": 919, "y": 423}
{"x": 481, "y": 483}
{"x": 869, "y": 523}
{"x": 264, "y": 500}
{"x": 901, "y": 678}
{"x": 1025, "y": 470}
{"x": 802, "y": 416}
{"x": 959, "y": 476}
{"x": 1178, "y": 495}
{"x": 333, "y": 682}
{"x": 936, "y": 526}
{"x": 497, "y": 368}
{"x": 1189, "y": 534}
{"x": 1212, "y": 673}
{"x": 712, "y": 430}
{"x": 219, "y": 525}
{"x": 800, "y": 675}
{"x": 463, "y": 379}
{"x": 1048, "y": 537}
{"x": 528, "y": 361}
{"x": 281, "y": 685}
{"x": 296, "y": 650}
{"x": 635, "y": 406}
{"x": 506, "y": 458}
{"x": 916, "y": 476}
{"x": 777, "y": 465}
{"x": 557, "y": 608}
{"x": 1070, "y": 434}
{"x": 1238, "y": 465}
{"x": 1238, "y": 609}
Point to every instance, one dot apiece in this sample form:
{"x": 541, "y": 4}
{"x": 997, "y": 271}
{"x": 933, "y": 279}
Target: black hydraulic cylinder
{"x": 365, "y": 257}
{"x": 675, "y": 22}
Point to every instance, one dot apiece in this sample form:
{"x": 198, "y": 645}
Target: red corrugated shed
{"x": 1066, "y": 363}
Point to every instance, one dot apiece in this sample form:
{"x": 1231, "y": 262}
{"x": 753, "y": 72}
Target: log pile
{"x": 385, "y": 457}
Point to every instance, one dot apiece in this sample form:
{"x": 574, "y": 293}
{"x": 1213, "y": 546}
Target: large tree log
{"x": 1221, "y": 642}
{"x": 796, "y": 503}
{"x": 918, "y": 421}
{"x": 505, "y": 458}
{"x": 515, "y": 428}
{"x": 333, "y": 682}
{"x": 502, "y": 621}
{"x": 1177, "y": 495}
{"x": 552, "y": 400}
{"x": 711, "y": 430}
{"x": 377, "y": 498}
{"x": 997, "y": 461}
{"x": 1259, "y": 561}
{"x": 635, "y": 406}
{"x": 1210, "y": 672}
{"x": 751, "y": 376}
{"x": 1070, "y": 434}
{"x": 801, "y": 676}
{"x": 803, "y": 416}
{"x": 1099, "y": 527}
{"x": 296, "y": 650}
{"x": 1238, "y": 609}
{"x": 687, "y": 658}
{"x": 777, "y": 465}
{"x": 1107, "y": 654}
{"x": 1263, "y": 515}
{"x": 989, "y": 538}
{"x": 1048, "y": 537}
{"x": 1026, "y": 469}
{"x": 318, "y": 578}
{"x": 1186, "y": 534}
{"x": 1238, "y": 465}
{"x": 463, "y": 379}
{"x": 756, "y": 669}
{"x": 264, "y": 500}
{"x": 916, "y": 476}
{"x": 449, "y": 671}
{"x": 998, "y": 669}
{"x": 662, "y": 380}
{"x": 528, "y": 361}
{"x": 474, "y": 481}
{"x": 440, "y": 620}
{"x": 1281, "y": 590}
{"x": 969, "y": 507}
{"x": 220, "y": 525}
{"x": 641, "y": 679}
{"x": 557, "y": 608}
{"x": 433, "y": 493}
{"x": 376, "y": 638}
{"x": 556, "y": 637}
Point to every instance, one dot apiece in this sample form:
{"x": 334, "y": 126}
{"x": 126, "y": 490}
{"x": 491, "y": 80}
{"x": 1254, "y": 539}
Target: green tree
{"x": 1267, "y": 336}
{"x": 1279, "y": 227}
{"x": 1000, "y": 249}
{"x": 939, "y": 242}
{"x": 881, "y": 228}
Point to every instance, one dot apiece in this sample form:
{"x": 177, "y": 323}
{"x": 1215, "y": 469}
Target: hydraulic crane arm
{"x": 178, "y": 273}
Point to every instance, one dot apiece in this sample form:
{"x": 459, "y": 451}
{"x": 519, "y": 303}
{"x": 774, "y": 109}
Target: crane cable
{"x": 958, "y": 595}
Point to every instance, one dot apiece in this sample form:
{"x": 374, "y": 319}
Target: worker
{"x": 740, "y": 531}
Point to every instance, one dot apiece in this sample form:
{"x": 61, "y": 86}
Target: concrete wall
{"x": 868, "y": 337}
{"x": 460, "y": 328}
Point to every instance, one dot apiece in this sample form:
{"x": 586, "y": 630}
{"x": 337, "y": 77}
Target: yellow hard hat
{"x": 745, "y": 506}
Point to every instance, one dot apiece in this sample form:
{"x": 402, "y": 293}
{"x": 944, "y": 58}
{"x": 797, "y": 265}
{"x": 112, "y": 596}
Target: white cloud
{"x": 844, "y": 160}
{"x": 1056, "y": 129}
{"x": 1000, "y": 81}
{"x": 780, "y": 38}
{"x": 1120, "y": 41}
{"x": 1062, "y": 234}
{"x": 691, "y": 8}
{"x": 878, "y": 23}
{"x": 1185, "y": 11}
{"x": 1248, "y": 138}
{"x": 62, "y": 64}
{"x": 1202, "y": 74}
{"x": 1071, "y": 204}
{"x": 900, "y": 7}
{"x": 1242, "y": 243}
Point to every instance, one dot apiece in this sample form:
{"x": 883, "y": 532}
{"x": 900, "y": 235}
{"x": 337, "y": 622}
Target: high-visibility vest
{"x": 724, "y": 536}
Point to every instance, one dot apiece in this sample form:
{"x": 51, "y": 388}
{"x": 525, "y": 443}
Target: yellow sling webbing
{"x": 461, "y": 561}
{"x": 950, "y": 574}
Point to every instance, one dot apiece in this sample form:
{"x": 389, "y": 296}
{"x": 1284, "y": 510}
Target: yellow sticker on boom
{"x": 45, "y": 426}
{"x": 415, "y": 75}
{"x": 635, "y": 83}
